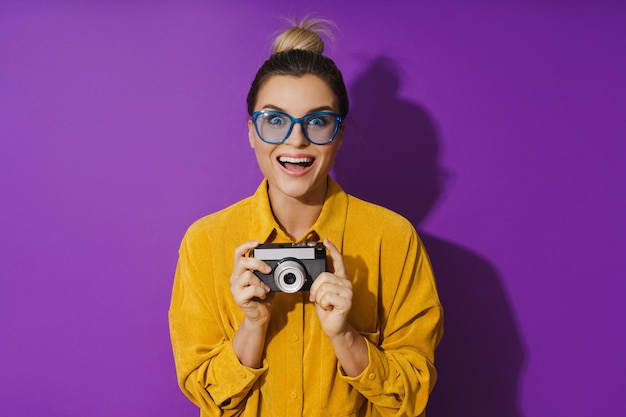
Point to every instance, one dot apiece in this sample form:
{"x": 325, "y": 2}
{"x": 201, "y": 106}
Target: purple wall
{"x": 498, "y": 128}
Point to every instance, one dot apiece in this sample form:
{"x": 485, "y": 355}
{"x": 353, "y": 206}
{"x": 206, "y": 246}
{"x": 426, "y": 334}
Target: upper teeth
{"x": 291, "y": 160}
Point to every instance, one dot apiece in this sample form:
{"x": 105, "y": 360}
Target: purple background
{"x": 497, "y": 127}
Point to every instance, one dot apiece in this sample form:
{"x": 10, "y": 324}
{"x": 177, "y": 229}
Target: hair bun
{"x": 305, "y": 35}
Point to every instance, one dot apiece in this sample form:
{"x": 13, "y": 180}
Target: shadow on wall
{"x": 390, "y": 156}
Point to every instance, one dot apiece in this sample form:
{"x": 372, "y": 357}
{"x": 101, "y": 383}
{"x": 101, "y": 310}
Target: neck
{"x": 296, "y": 215}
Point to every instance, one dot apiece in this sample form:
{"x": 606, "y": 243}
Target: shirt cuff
{"x": 234, "y": 379}
{"x": 374, "y": 379}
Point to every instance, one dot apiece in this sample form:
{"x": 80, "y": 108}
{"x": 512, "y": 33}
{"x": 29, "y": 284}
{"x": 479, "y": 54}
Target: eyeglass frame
{"x": 339, "y": 118}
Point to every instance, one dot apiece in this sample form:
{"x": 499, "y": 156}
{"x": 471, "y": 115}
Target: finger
{"x": 330, "y": 284}
{"x": 240, "y": 254}
{"x": 252, "y": 264}
{"x": 336, "y": 258}
{"x": 333, "y": 301}
{"x": 317, "y": 284}
{"x": 324, "y": 282}
{"x": 246, "y": 295}
{"x": 247, "y": 279}
{"x": 249, "y": 293}
{"x": 243, "y": 262}
{"x": 245, "y": 247}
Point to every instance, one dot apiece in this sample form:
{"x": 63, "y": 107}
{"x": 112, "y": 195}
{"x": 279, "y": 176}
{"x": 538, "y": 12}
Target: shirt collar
{"x": 332, "y": 220}
{"x": 329, "y": 225}
{"x": 263, "y": 223}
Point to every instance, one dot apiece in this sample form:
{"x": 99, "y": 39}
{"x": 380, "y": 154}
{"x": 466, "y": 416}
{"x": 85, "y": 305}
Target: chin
{"x": 301, "y": 188}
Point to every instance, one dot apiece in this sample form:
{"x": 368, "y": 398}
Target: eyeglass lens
{"x": 275, "y": 127}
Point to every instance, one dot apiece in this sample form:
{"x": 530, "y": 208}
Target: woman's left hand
{"x": 332, "y": 294}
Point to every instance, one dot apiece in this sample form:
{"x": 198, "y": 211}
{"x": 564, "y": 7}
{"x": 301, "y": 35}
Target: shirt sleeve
{"x": 401, "y": 372}
{"x": 208, "y": 370}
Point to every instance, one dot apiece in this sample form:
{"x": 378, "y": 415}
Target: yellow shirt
{"x": 395, "y": 307}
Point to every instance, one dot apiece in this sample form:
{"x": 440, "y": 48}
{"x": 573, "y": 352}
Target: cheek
{"x": 332, "y": 151}
{"x": 339, "y": 140}
{"x": 262, "y": 150}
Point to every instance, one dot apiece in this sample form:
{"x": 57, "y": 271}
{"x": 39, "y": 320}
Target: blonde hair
{"x": 305, "y": 35}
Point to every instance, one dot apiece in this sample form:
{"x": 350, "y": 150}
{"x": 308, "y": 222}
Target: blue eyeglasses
{"x": 274, "y": 127}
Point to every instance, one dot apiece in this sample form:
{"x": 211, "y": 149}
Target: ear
{"x": 251, "y": 133}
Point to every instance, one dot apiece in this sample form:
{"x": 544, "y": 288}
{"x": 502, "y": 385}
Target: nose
{"x": 296, "y": 137}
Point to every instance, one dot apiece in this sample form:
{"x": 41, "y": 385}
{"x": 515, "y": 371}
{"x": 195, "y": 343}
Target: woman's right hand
{"x": 250, "y": 293}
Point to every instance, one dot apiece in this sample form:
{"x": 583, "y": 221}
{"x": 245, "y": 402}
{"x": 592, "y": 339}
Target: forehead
{"x": 296, "y": 95}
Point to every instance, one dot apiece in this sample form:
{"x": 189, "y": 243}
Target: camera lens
{"x": 289, "y": 279}
{"x": 289, "y": 275}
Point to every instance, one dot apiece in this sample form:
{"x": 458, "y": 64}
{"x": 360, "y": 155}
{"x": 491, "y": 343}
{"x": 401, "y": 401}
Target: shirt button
{"x": 294, "y": 395}
{"x": 386, "y": 384}
{"x": 372, "y": 376}
{"x": 242, "y": 375}
{"x": 295, "y": 337}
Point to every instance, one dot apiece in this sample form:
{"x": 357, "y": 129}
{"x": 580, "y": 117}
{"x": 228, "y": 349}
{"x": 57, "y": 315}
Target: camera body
{"x": 294, "y": 265}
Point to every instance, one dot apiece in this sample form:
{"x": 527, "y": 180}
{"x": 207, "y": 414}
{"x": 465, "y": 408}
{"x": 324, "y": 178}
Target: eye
{"x": 274, "y": 119}
{"x": 318, "y": 121}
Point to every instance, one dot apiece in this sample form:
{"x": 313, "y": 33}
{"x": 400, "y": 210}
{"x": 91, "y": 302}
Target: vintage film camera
{"x": 294, "y": 266}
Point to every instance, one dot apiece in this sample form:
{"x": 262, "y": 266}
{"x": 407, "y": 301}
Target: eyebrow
{"x": 316, "y": 109}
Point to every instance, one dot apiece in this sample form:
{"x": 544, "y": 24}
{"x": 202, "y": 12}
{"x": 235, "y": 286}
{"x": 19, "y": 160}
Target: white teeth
{"x": 287, "y": 159}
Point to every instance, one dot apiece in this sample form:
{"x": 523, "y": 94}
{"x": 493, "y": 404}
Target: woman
{"x": 361, "y": 341}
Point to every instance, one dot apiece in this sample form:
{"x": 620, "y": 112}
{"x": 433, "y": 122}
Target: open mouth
{"x": 295, "y": 164}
